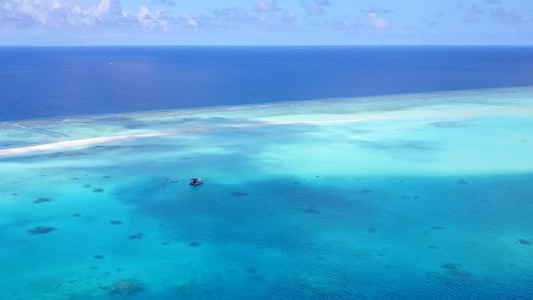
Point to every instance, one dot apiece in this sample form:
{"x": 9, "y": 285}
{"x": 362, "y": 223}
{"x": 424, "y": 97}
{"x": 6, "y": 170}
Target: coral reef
{"x": 42, "y": 200}
{"x": 126, "y": 287}
{"x": 40, "y": 230}
{"x": 455, "y": 270}
{"x": 311, "y": 210}
{"x": 137, "y": 236}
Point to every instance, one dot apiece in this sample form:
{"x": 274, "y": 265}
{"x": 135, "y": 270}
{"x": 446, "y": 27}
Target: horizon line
{"x": 278, "y": 45}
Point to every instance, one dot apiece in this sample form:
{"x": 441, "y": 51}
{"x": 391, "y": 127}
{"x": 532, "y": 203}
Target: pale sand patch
{"x": 75, "y": 143}
{"x": 472, "y": 114}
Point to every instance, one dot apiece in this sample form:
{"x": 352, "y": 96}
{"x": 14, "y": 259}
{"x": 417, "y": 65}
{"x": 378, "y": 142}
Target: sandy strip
{"x": 83, "y": 142}
{"x": 316, "y": 121}
{"x": 368, "y": 119}
{"x": 75, "y": 143}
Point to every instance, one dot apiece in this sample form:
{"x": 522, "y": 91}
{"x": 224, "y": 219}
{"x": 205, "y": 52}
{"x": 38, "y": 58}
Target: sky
{"x": 266, "y": 22}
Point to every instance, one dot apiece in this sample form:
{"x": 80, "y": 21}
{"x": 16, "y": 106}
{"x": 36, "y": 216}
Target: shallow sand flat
{"x": 350, "y": 199}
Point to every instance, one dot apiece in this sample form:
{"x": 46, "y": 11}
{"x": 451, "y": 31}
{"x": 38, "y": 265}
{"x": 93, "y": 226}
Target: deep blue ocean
{"x": 52, "y": 82}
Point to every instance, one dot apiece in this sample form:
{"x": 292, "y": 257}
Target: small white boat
{"x": 196, "y": 181}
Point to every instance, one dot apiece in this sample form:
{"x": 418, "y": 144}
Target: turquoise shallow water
{"x": 423, "y": 196}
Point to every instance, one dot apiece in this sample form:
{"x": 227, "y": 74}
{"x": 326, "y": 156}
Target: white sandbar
{"x": 75, "y": 143}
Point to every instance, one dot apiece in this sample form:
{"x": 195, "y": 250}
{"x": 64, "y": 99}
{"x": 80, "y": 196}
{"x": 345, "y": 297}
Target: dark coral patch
{"x": 98, "y": 256}
{"x": 116, "y": 222}
{"x": 97, "y": 190}
{"x": 194, "y": 244}
{"x": 76, "y": 215}
{"x": 311, "y": 210}
{"x": 42, "y": 200}
{"x": 137, "y": 236}
{"x": 454, "y": 270}
{"x": 40, "y": 230}
{"x": 450, "y": 266}
{"x": 87, "y": 186}
{"x": 126, "y": 287}
{"x": 525, "y": 242}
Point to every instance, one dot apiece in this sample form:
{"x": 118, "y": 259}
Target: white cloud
{"x": 377, "y": 22}
{"x": 155, "y": 21}
{"x": 144, "y": 16}
{"x": 191, "y": 21}
{"x": 110, "y": 7}
{"x": 57, "y": 13}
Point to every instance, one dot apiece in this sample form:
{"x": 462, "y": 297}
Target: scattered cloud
{"x": 343, "y": 25}
{"x": 233, "y": 14}
{"x": 472, "y": 14}
{"x": 376, "y": 22}
{"x": 262, "y": 6}
{"x": 50, "y": 15}
{"x": 169, "y": 3}
{"x": 191, "y": 21}
{"x": 323, "y": 2}
{"x": 373, "y": 10}
{"x": 258, "y": 18}
{"x": 147, "y": 20}
{"x": 56, "y": 14}
{"x": 433, "y": 24}
{"x": 110, "y": 9}
{"x": 313, "y": 9}
{"x": 505, "y": 16}
{"x": 289, "y": 17}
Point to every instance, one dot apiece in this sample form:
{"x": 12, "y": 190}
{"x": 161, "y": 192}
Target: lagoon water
{"x": 408, "y": 196}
